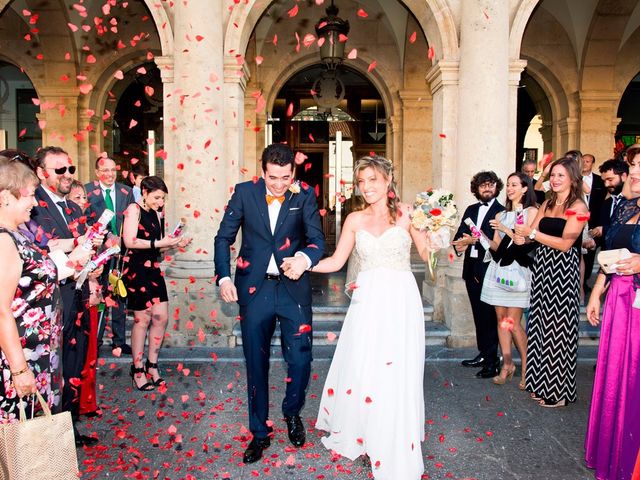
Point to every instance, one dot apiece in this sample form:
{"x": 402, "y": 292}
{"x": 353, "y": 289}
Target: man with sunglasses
{"x": 106, "y": 193}
{"x": 60, "y": 219}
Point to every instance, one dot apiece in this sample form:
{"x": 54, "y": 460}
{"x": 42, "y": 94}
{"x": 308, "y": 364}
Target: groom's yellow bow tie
{"x": 271, "y": 198}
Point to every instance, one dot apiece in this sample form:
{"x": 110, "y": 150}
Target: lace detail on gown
{"x": 389, "y": 250}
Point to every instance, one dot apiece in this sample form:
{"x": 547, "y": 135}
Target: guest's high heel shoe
{"x": 500, "y": 380}
{"x": 160, "y": 380}
{"x": 134, "y": 371}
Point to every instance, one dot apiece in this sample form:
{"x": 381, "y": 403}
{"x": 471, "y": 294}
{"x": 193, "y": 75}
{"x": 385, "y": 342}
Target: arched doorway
{"x": 628, "y": 131}
{"x": 136, "y": 125}
{"x": 333, "y": 123}
{"x": 18, "y": 110}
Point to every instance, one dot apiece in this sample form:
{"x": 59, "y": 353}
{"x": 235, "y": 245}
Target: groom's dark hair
{"x": 278, "y": 154}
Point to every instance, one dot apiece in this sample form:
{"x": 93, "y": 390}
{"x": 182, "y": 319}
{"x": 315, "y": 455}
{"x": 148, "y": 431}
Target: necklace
{"x": 562, "y": 202}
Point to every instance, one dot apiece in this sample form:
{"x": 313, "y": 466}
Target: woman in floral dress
{"x": 30, "y": 307}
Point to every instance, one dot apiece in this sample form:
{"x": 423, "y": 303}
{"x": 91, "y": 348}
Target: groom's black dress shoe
{"x": 490, "y": 370}
{"x": 295, "y": 429}
{"x": 253, "y": 453}
{"x": 478, "y": 361}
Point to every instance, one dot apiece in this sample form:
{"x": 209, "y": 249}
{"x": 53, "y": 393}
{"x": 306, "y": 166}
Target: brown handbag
{"x": 42, "y": 448}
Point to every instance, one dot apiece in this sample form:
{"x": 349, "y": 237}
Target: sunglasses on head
{"x": 63, "y": 170}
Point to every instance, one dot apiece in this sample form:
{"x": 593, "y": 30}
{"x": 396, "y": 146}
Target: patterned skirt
{"x": 552, "y": 348}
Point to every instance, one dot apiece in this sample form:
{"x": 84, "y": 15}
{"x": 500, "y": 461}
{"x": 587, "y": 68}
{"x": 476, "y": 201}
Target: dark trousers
{"x": 589, "y": 260}
{"x": 484, "y": 318}
{"x": 74, "y": 344}
{"x": 258, "y": 321}
{"x": 117, "y": 314}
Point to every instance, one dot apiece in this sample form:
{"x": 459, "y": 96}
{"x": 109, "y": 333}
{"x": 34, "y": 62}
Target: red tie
{"x": 271, "y": 198}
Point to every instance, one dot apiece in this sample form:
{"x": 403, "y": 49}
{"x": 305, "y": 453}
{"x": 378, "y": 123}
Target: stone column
{"x": 598, "y": 122}
{"x": 196, "y": 169}
{"x": 567, "y": 138}
{"x": 235, "y": 84}
{"x": 484, "y": 138}
{"x": 546, "y": 131}
{"x": 515, "y": 71}
{"x": 416, "y": 142}
{"x": 442, "y": 79}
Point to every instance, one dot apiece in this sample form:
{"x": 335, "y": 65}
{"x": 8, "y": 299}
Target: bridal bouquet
{"x": 435, "y": 212}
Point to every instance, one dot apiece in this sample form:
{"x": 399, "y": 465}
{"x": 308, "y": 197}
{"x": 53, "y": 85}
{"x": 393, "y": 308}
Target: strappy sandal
{"x": 160, "y": 381}
{"x": 148, "y": 386}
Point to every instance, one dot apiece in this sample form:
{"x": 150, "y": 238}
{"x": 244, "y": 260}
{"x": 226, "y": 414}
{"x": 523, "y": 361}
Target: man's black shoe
{"x": 253, "y": 453}
{"x": 85, "y": 441}
{"x": 476, "y": 362}
{"x": 488, "y": 371}
{"x": 295, "y": 429}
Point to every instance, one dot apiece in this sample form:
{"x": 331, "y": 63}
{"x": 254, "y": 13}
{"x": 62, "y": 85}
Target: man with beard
{"x": 614, "y": 173}
{"x": 62, "y": 220}
{"x": 485, "y": 186}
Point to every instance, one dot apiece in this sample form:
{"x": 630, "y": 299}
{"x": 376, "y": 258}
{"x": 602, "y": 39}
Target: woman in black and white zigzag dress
{"x": 552, "y": 348}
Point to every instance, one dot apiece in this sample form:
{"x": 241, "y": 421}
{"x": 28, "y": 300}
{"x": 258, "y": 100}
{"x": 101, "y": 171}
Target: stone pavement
{"x": 196, "y": 429}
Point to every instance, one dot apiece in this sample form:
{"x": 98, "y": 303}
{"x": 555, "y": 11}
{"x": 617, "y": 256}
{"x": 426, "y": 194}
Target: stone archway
{"x": 434, "y": 17}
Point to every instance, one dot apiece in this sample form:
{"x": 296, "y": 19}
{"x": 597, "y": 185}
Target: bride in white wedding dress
{"x": 372, "y": 402}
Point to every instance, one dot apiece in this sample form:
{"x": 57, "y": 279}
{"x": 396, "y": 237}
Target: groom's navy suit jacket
{"x": 298, "y": 229}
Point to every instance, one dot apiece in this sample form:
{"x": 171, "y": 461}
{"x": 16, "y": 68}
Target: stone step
{"x": 327, "y": 322}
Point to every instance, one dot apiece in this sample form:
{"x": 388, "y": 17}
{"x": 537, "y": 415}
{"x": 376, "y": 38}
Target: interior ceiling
{"x": 392, "y": 13}
{"x": 576, "y": 17}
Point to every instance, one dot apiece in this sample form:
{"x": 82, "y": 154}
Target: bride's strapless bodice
{"x": 390, "y": 250}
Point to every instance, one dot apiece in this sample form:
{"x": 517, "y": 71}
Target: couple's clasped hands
{"x": 294, "y": 267}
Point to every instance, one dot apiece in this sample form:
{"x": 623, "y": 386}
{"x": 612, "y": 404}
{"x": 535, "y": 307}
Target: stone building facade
{"x": 449, "y": 77}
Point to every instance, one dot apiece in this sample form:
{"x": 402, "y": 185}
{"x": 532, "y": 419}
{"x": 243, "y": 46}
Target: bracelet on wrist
{"x": 152, "y": 244}
{"x": 20, "y": 372}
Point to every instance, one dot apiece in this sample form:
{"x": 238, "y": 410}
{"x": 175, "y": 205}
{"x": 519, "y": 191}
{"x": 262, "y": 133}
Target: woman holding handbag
{"x": 509, "y": 295}
{"x": 612, "y": 441}
{"x": 143, "y": 235}
{"x": 30, "y": 302}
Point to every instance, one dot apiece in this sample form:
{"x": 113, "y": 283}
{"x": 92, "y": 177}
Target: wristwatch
{"x": 532, "y": 235}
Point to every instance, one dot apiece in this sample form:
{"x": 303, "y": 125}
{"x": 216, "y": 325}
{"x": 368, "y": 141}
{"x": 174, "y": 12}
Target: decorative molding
{"x": 444, "y": 73}
{"x": 165, "y": 64}
{"x": 515, "y": 71}
{"x": 415, "y": 98}
{"x": 234, "y": 73}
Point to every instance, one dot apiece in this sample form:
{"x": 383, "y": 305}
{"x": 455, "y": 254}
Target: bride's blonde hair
{"x": 385, "y": 168}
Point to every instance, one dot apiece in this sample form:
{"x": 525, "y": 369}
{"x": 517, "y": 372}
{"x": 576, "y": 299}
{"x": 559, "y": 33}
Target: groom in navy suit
{"x": 278, "y": 219}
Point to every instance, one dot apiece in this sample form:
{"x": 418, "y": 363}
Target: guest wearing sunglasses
{"x": 60, "y": 219}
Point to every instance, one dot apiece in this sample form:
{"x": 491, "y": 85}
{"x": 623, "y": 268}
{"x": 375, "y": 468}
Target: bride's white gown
{"x": 372, "y": 400}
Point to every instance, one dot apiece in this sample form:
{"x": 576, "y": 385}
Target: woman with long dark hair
{"x": 552, "y": 347}
{"x": 509, "y": 304}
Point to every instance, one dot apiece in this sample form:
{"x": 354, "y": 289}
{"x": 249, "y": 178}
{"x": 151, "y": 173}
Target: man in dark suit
{"x": 614, "y": 173}
{"x": 62, "y": 223}
{"x": 595, "y": 193}
{"x": 106, "y": 193}
{"x": 485, "y": 186}
{"x": 278, "y": 219}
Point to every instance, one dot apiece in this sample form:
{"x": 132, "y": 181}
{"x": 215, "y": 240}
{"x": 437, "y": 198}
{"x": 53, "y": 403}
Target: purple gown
{"x": 613, "y": 433}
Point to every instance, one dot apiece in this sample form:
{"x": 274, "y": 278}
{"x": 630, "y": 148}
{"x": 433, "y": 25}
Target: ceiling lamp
{"x": 333, "y": 30}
